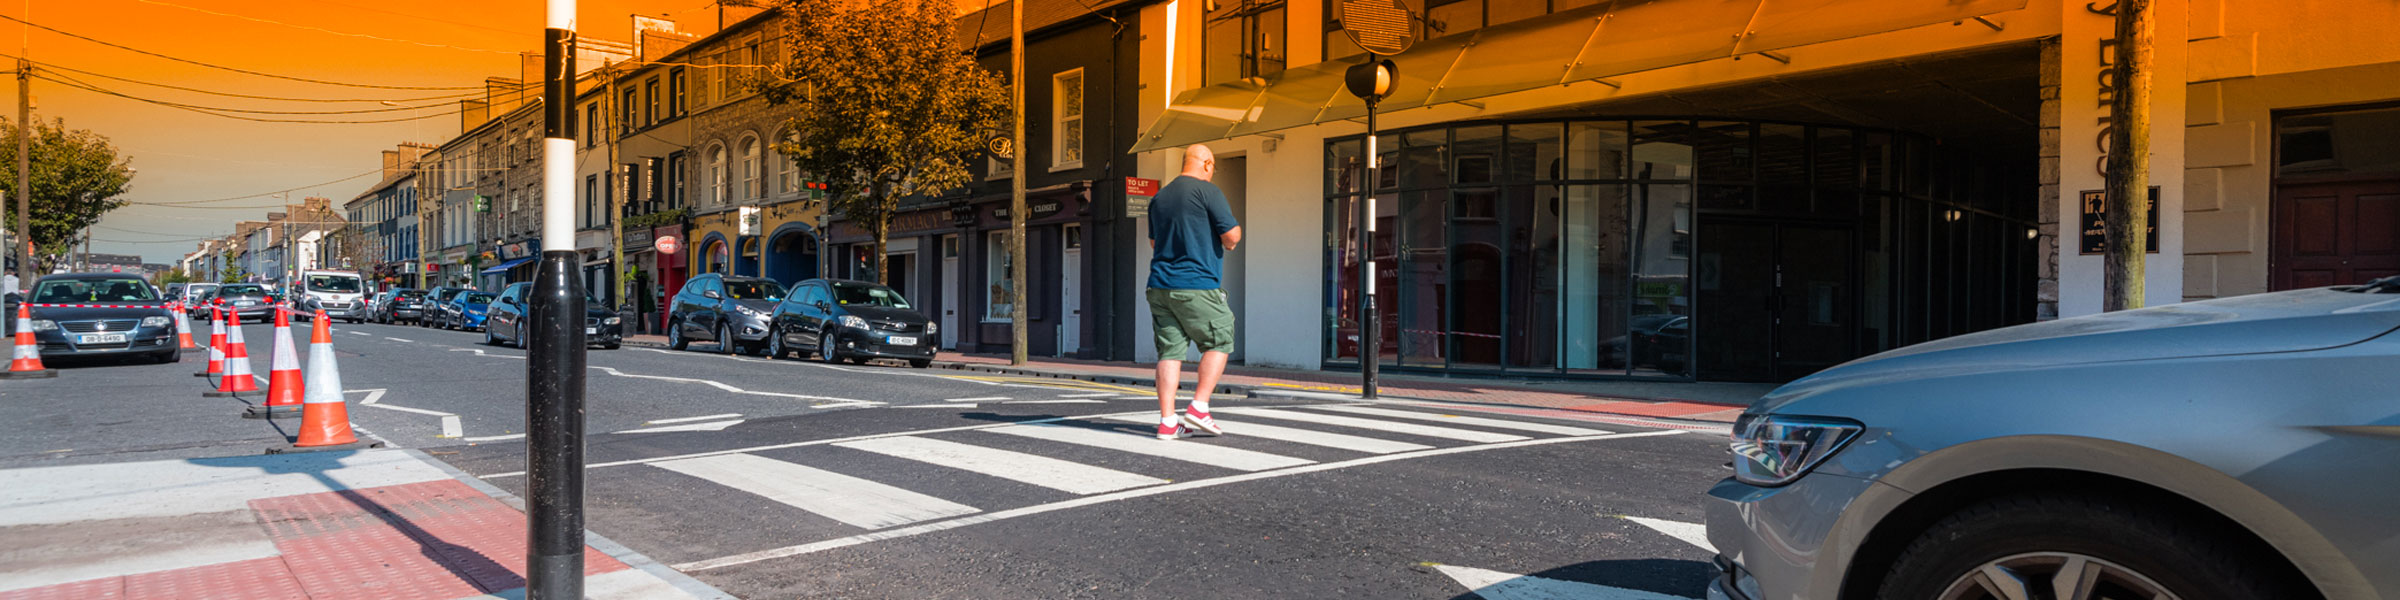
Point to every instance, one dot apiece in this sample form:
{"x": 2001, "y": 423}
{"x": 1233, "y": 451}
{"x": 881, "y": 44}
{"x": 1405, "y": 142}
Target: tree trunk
{"x": 2127, "y": 211}
{"x": 881, "y": 227}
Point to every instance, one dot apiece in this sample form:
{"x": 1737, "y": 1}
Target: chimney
{"x": 391, "y": 163}
{"x": 472, "y": 113}
{"x": 503, "y": 94}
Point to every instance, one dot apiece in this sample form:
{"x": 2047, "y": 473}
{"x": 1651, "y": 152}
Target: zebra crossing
{"x": 870, "y": 488}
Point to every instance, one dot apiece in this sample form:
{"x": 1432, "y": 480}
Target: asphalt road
{"x": 782, "y": 478}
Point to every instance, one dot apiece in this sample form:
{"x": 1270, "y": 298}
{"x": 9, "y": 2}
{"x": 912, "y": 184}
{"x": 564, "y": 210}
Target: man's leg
{"x": 1212, "y": 366}
{"x": 1170, "y": 376}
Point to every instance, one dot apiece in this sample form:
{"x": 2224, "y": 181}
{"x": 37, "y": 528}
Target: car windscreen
{"x": 852, "y": 294}
{"x": 93, "y": 290}
{"x": 476, "y": 298}
{"x": 754, "y": 290}
{"x": 339, "y": 284}
{"x": 410, "y": 294}
{"x": 242, "y": 290}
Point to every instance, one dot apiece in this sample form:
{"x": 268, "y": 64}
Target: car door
{"x": 698, "y": 310}
{"x": 502, "y": 316}
{"x": 786, "y": 320}
{"x": 807, "y": 320}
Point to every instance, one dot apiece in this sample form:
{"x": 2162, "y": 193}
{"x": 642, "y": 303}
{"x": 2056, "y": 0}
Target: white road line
{"x": 1691, "y": 533}
{"x": 451, "y": 428}
{"x": 710, "y": 426}
{"x": 1495, "y": 585}
{"x": 361, "y": 333}
{"x": 399, "y": 339}
{"x": 450, "y": 424}
{"x": 1462, "y": 420}
{"x": 976, "y": 399}
{"x": 1302, "y": 436}
{"x": 796, "y": 550}
{"x": 433, "y": 413}
{"x": 938, "y": 406}
{"x": 858, "y": 502}
{"x": 833, "y": 402}
{"x": 1142, "y": 443}
{"x": 1056, "y": 402}
{"x": 1407, "y": 428}
{"x": 479, "y": 352}
{"x": 373, "y": 395}
{"x": 496, "y": 438}
{"x": 690, "y": 419}
{"x": 1092, "y": 395}
{"x": 1062, "y": 475}
{"x": 644, "y": 461}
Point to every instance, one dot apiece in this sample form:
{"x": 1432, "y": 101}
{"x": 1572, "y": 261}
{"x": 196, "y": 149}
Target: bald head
{"x": 1199, "y": 162}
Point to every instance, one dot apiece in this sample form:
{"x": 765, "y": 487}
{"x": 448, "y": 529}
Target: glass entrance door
{"x": 1776, "y": 300}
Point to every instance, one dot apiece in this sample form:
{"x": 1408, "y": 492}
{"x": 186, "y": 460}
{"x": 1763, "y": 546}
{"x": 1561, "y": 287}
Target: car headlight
{"x": 853, "y": 322}
{"x": 748, "y": 311}
{"x": 475, "y": 312}
{"x": 1773, "y": 450}
{"x": 933, "y": 328}
{"x": 157, "y": 322}
{"x": 613, "y": 320}
{"x": 45, "y": 325}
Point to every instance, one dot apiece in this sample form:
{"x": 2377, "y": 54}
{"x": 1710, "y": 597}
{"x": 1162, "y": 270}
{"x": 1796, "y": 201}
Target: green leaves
{"x": 77, "y": 177}
{"x": 889, "y": 106}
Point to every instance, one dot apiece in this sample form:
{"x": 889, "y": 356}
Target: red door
{"x": 2336, "y": 233}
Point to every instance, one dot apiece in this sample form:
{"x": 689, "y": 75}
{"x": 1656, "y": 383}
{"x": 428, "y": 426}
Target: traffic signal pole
{"x": 555, "y": 360}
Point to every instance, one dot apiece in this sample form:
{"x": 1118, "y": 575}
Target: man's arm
{"x": 1231, "y": 237}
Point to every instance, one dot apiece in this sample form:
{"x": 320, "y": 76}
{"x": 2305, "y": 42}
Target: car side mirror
{"x": 712, "y": 295}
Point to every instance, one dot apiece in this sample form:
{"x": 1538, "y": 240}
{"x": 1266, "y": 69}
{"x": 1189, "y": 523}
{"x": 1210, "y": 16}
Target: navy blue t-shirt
{"x": 1185, "y": 219}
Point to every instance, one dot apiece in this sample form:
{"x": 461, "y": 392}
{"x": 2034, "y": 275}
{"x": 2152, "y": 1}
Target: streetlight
{"x": 1382, "y": 28}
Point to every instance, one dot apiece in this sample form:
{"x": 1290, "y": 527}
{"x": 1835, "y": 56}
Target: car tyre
{"x": 825, "y": 349}
{"x": 2160, "y": 547}
{"x": 920, "y": 363}
{"x": 775, "y": 348}
{"x": 610, "y": 346}
{"x": 489, "y": 339}
{"x": 726, "y": 345}
{"x": 675, "y": 339}
{"x": 166, "y": 357}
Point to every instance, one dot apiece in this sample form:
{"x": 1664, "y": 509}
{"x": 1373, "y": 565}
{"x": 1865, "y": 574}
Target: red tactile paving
{"x": 255, "y": 579}
{"x": 435, "y": 540}
{"x": 106, "y": 588}
{"x": 1653, "y": 409}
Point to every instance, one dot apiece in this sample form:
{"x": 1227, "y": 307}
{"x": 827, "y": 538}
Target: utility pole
{"x": 2127, "y": 212}
{"x": 24, "y": 248}
{"x": 554, "y": 363}
{"x": 1016, "y": 184}
{"x": 617, "y": 188}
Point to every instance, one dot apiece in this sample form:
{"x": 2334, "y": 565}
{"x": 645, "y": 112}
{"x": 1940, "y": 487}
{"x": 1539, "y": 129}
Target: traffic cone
{"x": 324, "y": 419}
{"x": 237, "y": 379}
{"x": 216, "y": 343}
{"x": 284, "y": 386}
{"x": 26, "y": 359}
{"x": 183, "y": 329}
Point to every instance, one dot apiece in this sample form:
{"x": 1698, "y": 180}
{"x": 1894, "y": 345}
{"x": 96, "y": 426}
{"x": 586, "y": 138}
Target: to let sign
{"x": 2095, "y": 222}
{"x": 1138, "y": 192}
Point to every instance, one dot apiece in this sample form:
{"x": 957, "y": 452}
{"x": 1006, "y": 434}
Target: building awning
{"x": 1582, "y": 44}
{"x": 505, "y": 265}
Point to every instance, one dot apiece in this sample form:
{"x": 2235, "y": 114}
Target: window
{"x": 1073, "y": 235}
{"x": 669, "y": 178}
{"x": 998, "y": 281}
{"x": 675, "y": 92}
{"x": 716, "y": 175}
{"x": 591, "y": 200}
{"x": 1066, "y": 106}
{"x": 750, "y": 169}
{"x": 650, "y": 101}
{"x": 790, "y": 173}
{"x": 591, "y": 124}
{"x": 725, "y": 79}
{"x": 700, "y": 76}
{"x": 1243, "y": 39}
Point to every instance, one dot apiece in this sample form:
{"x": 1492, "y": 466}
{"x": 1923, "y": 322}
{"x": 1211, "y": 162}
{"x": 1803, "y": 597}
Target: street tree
{"x": 78, "y": 176}
{"x": 888, "y": 105}
{"x": 233, "y": 272}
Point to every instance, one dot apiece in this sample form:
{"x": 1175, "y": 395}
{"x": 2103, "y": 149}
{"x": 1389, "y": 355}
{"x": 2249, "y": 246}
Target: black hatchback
{"x": 845, "y": 320}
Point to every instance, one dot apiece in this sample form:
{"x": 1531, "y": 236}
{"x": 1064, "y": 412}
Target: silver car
{"x": 2243, "y": 448}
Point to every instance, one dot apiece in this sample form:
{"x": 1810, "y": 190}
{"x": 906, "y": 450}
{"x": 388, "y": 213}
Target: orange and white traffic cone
{"x": 183, "y": 329}
{"x": 25, "y": 360}
{"x": 284, "y": 386}
{"x": 324, "y": 419}
{"x": 216, "y": 343}
{"x": 238, "y": 379}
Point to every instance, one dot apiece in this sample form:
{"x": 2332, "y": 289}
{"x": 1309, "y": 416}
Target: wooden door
{"x": 2335, "y": 233}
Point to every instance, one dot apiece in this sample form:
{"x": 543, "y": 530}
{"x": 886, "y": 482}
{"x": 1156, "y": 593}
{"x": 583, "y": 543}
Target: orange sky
{"x": 186, "y": 156}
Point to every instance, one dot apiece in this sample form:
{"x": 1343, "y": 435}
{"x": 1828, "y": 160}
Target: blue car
{"x": 467, "y": 310}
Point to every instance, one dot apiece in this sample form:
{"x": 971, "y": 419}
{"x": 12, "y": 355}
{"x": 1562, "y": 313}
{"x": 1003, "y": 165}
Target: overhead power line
{"x": 354, "y": 111}
{"x": 205, "y": 111}
{"x": 439, "y": 98}
{"x": 375, "y": 171}
{"x": 323, "y": 30}
{"x": 223, "y": 67}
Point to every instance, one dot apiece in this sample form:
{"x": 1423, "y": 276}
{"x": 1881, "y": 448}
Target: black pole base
{"x": 357, "y": 445}
{"x": 554, "y": 577}
{"x": 194, "y": 349}
{"x": 42, "y": 374}
{"x": 204, "y": 374}
{"x": 260, "y": 411}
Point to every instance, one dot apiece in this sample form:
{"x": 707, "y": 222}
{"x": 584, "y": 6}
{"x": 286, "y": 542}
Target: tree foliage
{"x": 77, "y": 177}
{"x": 889, "y": 105}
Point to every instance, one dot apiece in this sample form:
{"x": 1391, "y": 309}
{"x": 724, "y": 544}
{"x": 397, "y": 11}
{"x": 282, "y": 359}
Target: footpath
{"x": 1683, "y": 401}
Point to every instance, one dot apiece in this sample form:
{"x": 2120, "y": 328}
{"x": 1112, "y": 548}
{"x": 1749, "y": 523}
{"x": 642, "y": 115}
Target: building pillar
{"x": 2081, "y": 62}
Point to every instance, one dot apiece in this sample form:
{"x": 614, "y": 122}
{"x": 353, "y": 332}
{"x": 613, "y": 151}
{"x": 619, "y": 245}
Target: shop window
{"x": 1073, "y": 234}
{"x": 1066, "y": 107}
{"x": 998, "y": 280}
{"x": 2338, "y": 143}
{"x": 1242, "y": 39}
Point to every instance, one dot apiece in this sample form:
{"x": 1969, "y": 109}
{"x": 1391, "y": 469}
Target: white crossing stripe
{"x": 1691, "y": 533}
{"x": 1211, "y": 455}
{"x": 1300, "y": 436}
{"x": 851, "y": 500}
{"x": 1062, "y": 475}
{"x": 1407, "y": 428}
{"x": 1476, "y": 421}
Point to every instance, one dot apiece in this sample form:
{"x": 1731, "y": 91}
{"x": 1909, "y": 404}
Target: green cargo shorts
{"x": 1179, "y": 318}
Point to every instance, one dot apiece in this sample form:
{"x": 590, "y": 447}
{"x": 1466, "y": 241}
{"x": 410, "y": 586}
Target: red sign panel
{"x": 667, "y": 244}
{"x": 1136, "y": 186}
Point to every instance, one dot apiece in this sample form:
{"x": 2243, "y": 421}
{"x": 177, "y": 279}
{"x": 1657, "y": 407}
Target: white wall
{"x": 2080, "y": 276}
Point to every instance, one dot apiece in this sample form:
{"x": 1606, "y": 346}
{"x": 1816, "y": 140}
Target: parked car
{"x": 195, "y": 298}
{"x": 2236, "y": 448}
{"x": 398, "y": 305}
{"x": 730, "y": 311}
{"x": 437, "y": 306}
{"x": 465, "y": 310}
{"x": 88, "y": 314}
{"x": 844, "y": 320}
{"x": 249, "y": 300}
{"x": 339, "y": 293}
{"x": 173, "y": 291}
{"x": 505, "y": 322}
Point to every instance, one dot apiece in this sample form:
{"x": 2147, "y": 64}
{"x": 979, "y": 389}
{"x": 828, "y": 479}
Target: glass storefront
{"x": 1670, "y": 248}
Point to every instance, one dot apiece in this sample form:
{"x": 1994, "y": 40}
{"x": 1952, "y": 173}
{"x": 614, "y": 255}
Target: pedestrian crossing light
{"x": 816, "y": 189}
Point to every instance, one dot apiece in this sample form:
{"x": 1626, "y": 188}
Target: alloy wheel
{"x": 725, "y": 342}
{"x": 2055, "y": 575}
{"x": 775, "y": 347}
{"x": 825, "y": 351}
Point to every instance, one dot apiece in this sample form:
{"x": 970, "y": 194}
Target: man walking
{"x": 1191, "y": 229}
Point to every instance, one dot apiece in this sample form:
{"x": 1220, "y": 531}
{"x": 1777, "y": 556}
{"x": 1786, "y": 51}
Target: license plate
{"x": 900, "y": 341}
{"x": 100, "y": 338}
{"x": 242, "y": 303}
{"x": 591, "y": 331}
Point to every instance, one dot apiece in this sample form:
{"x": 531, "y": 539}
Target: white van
{"x": 341, "y": 294}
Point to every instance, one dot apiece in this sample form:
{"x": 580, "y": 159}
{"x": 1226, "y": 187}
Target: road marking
{"x": 399, "y": 339}
{"x": 977, "y": 399}
{"x": 1143, "y": 443}
{"x": 1056, "y": 402}
{"x": 1302, "y": 436}
{"x": 1476, "y": 421}
{"x": 813, "y": 547}
{"x": 373, "y": 395}
{"x": 1495, "y": 585}
{"x": 690, "y": 419}
{"x": 1691, "y": 533}
{"x": 858, "y": 502}
{"x": 433, "y": 413}
{"x": 1092, "y": 395}
{"x": 644, "y": 461}
{"x": 450, "y": 424}
{"x": 451, "y": 428}
{"x": 832, "y": 401}
{"x": 969, "y": 405}
{"x": 1062, "y": 475}
{"x": 1407, "y": 428}
{"x": 361, "y": 333}
{"x": 496, "y": 438}
{"x": 479, "y": 352}
{"x": 711, "y": 426}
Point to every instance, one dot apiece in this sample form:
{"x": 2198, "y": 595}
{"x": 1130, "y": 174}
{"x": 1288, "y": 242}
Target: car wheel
{"x": 726, "y": 345}
{"x": 775, "y": 347}
{"x": 920, "y": 363}
{"x": 489, "y": 339}
{"x": 2010, "y": 546}
{"x": 825, "y": 350}
{"x": 165, "y": 357}
{"x": 609, "y": 346}
{"x": 675, "y": 339}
